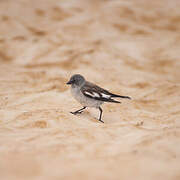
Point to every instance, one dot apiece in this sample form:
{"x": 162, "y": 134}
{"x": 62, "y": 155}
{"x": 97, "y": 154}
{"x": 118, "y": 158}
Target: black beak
{"x": 69, "y": 82}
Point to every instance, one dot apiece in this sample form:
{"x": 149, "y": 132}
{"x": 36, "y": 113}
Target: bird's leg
{"x": 100, "y": 115}
{"x": 78, "y": 111}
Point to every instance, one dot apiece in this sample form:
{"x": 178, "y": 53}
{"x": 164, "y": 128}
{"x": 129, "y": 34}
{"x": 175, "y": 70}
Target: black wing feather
{"x": 89, "y": 88}
{"x": 102, "y": 99}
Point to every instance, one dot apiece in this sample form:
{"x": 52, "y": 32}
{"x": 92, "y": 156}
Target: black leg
{"x": 78, "y": 111}
{"x": 100, "y": 114}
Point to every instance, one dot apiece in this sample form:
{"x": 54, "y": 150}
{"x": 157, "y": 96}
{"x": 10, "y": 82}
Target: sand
{"x": 128, "y": 47}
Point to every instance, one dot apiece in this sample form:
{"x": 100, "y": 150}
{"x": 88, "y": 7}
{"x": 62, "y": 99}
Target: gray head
{"x": 76, "y": 80}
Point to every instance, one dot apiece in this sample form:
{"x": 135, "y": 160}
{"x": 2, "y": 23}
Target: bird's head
{"x": 76, "y": 80}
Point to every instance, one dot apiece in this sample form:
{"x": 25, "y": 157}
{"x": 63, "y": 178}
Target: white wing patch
{"x": 93, "y": 94}
{"x": 88, "y": 93}
{"x": 106, "y": 96}
{"x": 96, "y": 94}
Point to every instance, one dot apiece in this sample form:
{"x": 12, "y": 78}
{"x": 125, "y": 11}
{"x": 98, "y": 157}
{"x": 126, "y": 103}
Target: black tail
{"x": 112, "y": 100}
{"x": 115, "y": 95}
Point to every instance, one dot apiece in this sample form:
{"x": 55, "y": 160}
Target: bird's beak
{"x": 69, "y": 82}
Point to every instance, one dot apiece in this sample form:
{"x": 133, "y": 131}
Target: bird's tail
{"x": 112, "y": 100}
{"x": 115, "y": 95}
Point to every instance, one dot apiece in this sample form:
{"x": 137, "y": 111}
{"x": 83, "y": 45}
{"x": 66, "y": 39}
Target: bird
{"x": 90, "y": 95}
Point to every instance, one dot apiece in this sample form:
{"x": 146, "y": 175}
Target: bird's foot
{"x": 79, "y": 111}
{"x": 76, "y": 112}
{"x": 101, "y": 121}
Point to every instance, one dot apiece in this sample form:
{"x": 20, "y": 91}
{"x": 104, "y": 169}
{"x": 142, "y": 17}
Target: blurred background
{"x": 129, "y": 47}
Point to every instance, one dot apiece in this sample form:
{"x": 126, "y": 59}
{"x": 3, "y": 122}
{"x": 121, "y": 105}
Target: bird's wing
{"x": 93, "y": 91}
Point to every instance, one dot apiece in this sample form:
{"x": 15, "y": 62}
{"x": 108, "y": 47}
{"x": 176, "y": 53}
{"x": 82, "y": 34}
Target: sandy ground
{"x": 129, "y": 47}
